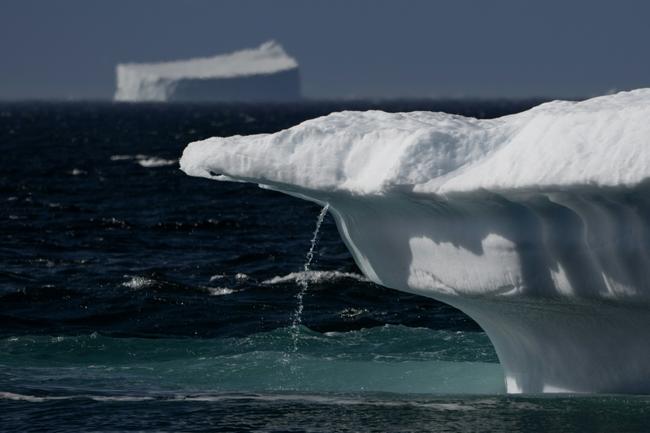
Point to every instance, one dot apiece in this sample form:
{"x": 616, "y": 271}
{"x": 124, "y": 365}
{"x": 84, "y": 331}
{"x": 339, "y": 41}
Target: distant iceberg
{"x": 263, "y": 74}
{"x": 537, "y": 224}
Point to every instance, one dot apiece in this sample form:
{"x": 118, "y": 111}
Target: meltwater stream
{"x": 303, "y": 281}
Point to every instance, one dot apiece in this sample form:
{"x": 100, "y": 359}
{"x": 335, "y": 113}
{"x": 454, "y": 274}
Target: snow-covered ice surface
{"x": 264, "y": 73}
{"x": 536, "y": 224}
{"x": 601, "y": 141}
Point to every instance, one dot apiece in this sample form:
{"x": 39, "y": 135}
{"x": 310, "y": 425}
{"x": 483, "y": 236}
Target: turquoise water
{"x": 389, "y": 378}
{"x": 384, "y": 359}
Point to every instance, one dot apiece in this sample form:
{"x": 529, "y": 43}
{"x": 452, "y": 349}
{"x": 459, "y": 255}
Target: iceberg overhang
{"x": 537, "y": 225}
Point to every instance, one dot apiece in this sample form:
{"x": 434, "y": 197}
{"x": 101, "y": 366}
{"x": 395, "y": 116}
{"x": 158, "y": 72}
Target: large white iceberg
{"x": 265, "y": 74}
{"x": 537, "y": 224}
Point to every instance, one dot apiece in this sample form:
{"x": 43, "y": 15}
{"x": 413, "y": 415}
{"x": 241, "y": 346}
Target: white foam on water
{"x": 154, "y": 161}
{"x": 314, "y": 277}
{"x": 220, "y": 291}
{"x": 146, "y": 161}
{"x": 124, "y": 157}
{"x": 138, "y": 282}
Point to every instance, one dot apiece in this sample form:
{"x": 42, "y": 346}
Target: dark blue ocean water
{"x": 133, "y": 297}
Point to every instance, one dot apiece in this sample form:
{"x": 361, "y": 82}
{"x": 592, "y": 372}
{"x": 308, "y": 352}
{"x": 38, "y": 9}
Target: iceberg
{"x": 537, "y": 224}
{"x": 265, "y": 74}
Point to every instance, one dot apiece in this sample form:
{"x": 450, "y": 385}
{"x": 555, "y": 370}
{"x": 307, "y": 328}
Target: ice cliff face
{"x": 265, "y": 73}
{"x": 537, "y": 224}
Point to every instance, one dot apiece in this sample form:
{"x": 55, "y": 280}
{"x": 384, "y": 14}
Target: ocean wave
{"x": 103, "y": 398}
{"x": 154, "y": 161}
{"x": 125, "y": 157}
{"x": 351, "y": 313}
{"x": 146, "y": 161}
{"x": 217, "y": 277}
{"x": 30, "y": 398}
{"x": 321, "y": 399}
{"x": 238, "y": 278}
{"x": 220, "y": 291}
{"x": 138, "y": 282}
{"x": 315, "y": 277}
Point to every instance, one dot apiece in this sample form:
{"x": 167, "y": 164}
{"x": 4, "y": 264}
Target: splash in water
{"x": 303, "y": 281}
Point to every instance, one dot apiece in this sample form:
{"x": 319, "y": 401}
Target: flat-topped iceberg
{"x": 265, "y": 73}
{"x": 537, "y": 224}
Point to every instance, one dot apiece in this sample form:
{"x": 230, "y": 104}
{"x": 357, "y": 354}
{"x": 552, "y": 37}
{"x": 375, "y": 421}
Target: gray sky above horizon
{"x": 68, "y": 49}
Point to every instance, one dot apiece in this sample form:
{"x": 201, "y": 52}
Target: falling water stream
{"x": 303, "y": 281}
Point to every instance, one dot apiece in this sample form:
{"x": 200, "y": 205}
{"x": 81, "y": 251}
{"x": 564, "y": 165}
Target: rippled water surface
{"x": 133, "y": 297}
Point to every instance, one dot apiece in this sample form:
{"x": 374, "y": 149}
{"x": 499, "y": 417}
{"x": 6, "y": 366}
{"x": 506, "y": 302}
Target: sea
{"x": 136, "y": 298}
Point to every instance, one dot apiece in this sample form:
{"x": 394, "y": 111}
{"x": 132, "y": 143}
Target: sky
{"x": 68, "y": 49}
